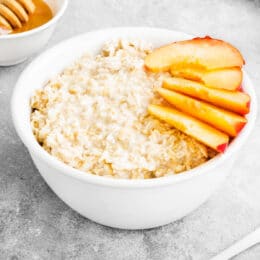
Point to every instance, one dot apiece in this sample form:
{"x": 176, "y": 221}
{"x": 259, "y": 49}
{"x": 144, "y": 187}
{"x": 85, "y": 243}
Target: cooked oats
{"x": 93, "y": 117}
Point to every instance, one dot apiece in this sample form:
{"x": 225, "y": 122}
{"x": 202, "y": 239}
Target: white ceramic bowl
{"x": 15, "y": 48}
{"x": 128, "y": 204}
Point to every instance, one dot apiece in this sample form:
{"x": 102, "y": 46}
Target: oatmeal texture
{"x": 93, "y": 117}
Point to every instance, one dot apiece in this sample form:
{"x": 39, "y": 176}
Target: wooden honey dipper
{"x": 13, "y": 13}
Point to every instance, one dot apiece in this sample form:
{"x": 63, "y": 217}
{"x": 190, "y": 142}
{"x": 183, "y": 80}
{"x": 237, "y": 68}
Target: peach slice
{"x": 235, "y": 101}
{"x": 230, "y": 78}
{"x": 191, "y": 126}
{"x": 219, "y": 118}
{"x": 205, "y": 53}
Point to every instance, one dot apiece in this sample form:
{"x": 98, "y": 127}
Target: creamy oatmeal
{"x": 93, "y": 117}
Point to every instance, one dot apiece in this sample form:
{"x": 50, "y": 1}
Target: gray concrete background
{"x": 35, "y": 224}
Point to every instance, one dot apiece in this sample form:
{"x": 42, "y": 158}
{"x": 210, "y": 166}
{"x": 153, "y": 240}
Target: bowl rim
{"x": 37, "y": 152}
{"x": 44, "y": 26}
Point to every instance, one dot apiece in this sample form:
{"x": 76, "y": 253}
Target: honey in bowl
{"x": 41, "y": 15}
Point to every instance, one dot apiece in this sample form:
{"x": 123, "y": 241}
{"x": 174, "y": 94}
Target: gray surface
{"x": 35, "y": 224}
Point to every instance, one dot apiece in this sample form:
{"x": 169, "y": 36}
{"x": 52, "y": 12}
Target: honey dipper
{"x": 13, "y": 13}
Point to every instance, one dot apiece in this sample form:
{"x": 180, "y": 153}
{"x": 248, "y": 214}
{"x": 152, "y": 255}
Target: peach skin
{"x": 219, "y": 118}
{"x": 191, "y": 126}
{"x": 235, "y": 101}
{"x": 205, "y": 53}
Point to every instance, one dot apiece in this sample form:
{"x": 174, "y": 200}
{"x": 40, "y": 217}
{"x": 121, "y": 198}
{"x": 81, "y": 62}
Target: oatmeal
{"x": 93, "y": 117}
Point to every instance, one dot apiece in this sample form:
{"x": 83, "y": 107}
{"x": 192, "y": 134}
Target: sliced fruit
{"x": 235, "y": 101}
{"x": 191, "y": 73}
{"x": 205, "y": 53}
{"x": 230, "y": 78}
{"x": 191, "y": 126}
{"x": 223, "y": 120}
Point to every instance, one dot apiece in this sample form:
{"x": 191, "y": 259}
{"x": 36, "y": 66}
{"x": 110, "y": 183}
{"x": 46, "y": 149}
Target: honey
{"x": 40, "y": 16}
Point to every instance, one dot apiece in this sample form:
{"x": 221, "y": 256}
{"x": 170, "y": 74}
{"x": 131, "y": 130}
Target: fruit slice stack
{"x": 204, "y": 93}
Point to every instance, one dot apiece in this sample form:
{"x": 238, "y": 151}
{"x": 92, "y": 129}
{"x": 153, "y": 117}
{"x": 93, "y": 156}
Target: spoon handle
{"x": 243, "y": 244}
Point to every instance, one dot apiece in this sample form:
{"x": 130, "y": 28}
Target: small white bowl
{"x": 15, "y": 48}
{"x": 128, "y": 204}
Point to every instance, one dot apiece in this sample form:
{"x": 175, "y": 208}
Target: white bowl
{"x": 128, "y": 204}
{"x": 15, "y": 48}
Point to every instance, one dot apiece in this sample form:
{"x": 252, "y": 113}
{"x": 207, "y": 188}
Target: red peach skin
{"x": 235, "y": 101}
{"x": 219, "y": 118}
{"x": 191, "y": 126}
{"x": 205, "y": 53}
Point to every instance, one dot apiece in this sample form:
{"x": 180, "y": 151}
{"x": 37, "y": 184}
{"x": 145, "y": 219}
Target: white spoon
{"x": 243, "y": 244}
